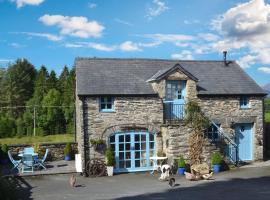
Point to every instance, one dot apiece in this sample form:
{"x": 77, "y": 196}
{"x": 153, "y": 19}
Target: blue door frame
{"x": 244, "y": 141}
{"x": 132, "y": 151}
{"x": 175, "y": 99}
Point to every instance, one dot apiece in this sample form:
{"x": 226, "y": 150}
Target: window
{"x": 244, "y": 102}
{"x": 212, "y": 133}
{"x": 175, "y": 89}
{"x": 106, "y": 104}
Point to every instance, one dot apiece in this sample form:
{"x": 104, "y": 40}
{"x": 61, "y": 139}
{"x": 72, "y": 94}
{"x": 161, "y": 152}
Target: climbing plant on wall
{"x": 196, "y": 120}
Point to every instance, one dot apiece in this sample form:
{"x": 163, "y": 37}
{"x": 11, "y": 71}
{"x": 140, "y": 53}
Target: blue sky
{"x": 54, "y": 32}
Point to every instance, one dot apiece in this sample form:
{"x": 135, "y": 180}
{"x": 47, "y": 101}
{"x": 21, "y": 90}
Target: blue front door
{"x": 243, "y": 138}
{"x": 132, "y": 151}
{"x": 175, "y": 99}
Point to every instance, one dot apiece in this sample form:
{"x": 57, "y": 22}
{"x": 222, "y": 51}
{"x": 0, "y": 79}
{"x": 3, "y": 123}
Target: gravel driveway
{"x": 247, "y": 183}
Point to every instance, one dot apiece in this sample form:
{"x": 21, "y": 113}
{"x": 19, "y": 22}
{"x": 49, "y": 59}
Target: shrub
{"x": 161, "y": 154}
{"x": 36, "y": 148}
{"x": 4, "y": 151}
{"x": 110, "y": 160}
{"x": 68, "y": 149}
{"x": 96, "y": 142}
{"x": 4, "y": 148}
{"x": 216, "y": 158}
{"x": 181, "y": 162}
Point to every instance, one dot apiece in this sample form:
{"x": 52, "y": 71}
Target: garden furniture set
{"x": 29, "y": 160}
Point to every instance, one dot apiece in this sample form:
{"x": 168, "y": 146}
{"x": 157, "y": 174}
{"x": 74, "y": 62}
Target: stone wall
{"x": 222, "y": 110}
{"x": 56, "y": 150}
{"x": 128, "y": 110}
{"x": 227, "y": 111}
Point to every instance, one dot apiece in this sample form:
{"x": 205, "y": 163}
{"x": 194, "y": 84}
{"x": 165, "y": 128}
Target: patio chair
{"x": 27, "y": 163}
{"x": 41, "y": 162}
{"x": 16, "y": 163}
{"x": 28, "y": 150}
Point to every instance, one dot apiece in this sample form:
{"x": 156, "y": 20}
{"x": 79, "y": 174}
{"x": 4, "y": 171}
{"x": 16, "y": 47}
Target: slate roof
{"x": 112, "y": 76}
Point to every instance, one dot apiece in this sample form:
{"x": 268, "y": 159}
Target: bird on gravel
{"x": 172, "y": 182}
{"x": 207, "y": 176}
{"x": 72, "y": 180}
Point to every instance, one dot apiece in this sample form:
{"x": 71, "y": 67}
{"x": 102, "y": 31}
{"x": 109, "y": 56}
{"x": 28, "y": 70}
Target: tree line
{"x": 36, "y": 99}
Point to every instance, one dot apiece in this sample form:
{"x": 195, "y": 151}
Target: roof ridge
{"x": 147, "y": 59}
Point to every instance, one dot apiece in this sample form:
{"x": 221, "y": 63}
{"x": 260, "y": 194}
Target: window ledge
{"x": 107, "y": 111}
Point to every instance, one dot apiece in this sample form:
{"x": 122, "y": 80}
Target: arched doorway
{"x": 133, "y": 150}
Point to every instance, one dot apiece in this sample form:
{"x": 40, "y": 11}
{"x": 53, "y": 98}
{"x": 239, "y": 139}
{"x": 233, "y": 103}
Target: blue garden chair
{"x": 16, "y": 163}
{"x": 41, "y": 162}
{"x": 27, "y": 163}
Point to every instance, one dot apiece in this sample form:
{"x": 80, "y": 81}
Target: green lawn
{"x": 267, "y": 117}
{"x": 38, "y": 139}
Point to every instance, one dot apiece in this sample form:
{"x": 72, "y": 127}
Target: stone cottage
{"x": 137, "y": 107}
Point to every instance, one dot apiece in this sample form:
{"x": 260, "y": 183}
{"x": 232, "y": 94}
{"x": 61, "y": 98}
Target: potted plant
{"x": 67, "y": 151}
{"x": 98, "y": 144}
{"x": 216, "y": 162}
{"x": 181, "y": 166}
{"x": 110, "y": 160}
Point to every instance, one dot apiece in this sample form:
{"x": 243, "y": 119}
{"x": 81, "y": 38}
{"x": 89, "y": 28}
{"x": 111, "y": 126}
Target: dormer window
{"x": 244, "y": 103}
{"x": 175, "y": 89}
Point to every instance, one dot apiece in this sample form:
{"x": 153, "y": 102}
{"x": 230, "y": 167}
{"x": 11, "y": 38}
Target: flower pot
{"x": 110, "y": 170}
{"x": 67, "y": 157}
{"x": 100, "y": 147}
{"x": 181, "y": 171}
{"x": 216, "y": 168}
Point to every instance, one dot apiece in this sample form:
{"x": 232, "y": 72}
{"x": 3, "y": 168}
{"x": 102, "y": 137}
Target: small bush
{"x": 110, "y": 160}
{"x": 4, "y": 148}
{"x": 36, "y": 148}
{"x": 216, "y": 158}
{"x": 161, "y": 154}
{"x": 3, "y": 151}
{"x": 96, "y": 142}
{"x": 68, "y": 149}
{"x": 181, "y": 162}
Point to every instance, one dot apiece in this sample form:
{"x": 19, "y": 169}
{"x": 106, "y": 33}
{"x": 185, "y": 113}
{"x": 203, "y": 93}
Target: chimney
{"x": 225, "y": 57}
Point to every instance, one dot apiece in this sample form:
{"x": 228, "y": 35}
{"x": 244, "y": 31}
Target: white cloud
{"x": 156, "y": 9}
{"x": 21, "y": 3}
{"x": 174, "y": 38}
{"x": 97, "y": 46}
{"x": 74, "y": 26}
{"x": 246, "y": 26}
{"x": 120, "y": 21}
{"x": 247, "y": 60}
{"x": 3, "y": 60}
{"x": 150, "y": 44}
{"x": 195, "y": 21}
{"x": 183, "y": 55}
{"x": 264, "y": 70}
{"x": 209, "y": 37}
{"x": 16, "y": 45}
{"x": 48, "y": 36}
{"x": 129, "y": 46}
{"x": 92, "y": 5}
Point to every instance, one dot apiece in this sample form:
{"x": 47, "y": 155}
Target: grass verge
{"x": 38, "y": 139}
{"x": 267, "y": 117}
